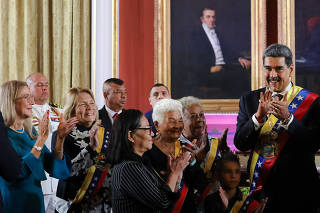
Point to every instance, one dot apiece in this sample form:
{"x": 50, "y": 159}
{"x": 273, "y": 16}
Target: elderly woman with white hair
{"x": 208, "y": 149}
{"x": 167, "y": 118}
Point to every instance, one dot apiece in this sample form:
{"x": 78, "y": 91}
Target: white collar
{"x": 207, "y": 29}
{"x": 41, "y": 107}
{"x": 111, "y": 112}
{"x": 284, "y": 91}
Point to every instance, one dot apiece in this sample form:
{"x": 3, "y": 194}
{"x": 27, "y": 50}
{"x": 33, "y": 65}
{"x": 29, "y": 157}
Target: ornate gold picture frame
{"x": 299, "y": 29}
{"x": 162, "y": 42}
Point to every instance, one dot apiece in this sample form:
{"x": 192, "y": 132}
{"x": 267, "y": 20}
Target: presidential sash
{"x": 97, "y": 173}
{"x": 264, "y": 157}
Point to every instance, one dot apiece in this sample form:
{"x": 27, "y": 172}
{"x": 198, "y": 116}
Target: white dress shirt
{"x": 213, "y": 38}
{"x": 111, "y": 113}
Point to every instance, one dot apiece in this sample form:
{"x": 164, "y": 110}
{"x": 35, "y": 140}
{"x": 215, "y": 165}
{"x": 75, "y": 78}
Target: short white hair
{"x": 188, "y": 101}
{"x": 164, "y": 106}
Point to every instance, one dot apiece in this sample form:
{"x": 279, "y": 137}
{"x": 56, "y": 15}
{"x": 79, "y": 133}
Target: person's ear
{"x": 156, "y": 125}
{"x": 130, "y": 136}
{"x": 105, "y": 94}
{"x": 150, "y": 101}
{"x": 291, "y": 70}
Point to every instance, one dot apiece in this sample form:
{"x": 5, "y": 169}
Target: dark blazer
{"x": 9, "y": 160}
{"x": 148, "y": 115}
{"x": 293, "y": 182}
{"x": 105, "y": 120}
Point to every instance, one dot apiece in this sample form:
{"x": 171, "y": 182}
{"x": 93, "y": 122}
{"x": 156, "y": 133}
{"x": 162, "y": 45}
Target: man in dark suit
{"x": 280, "y": 125}
{"x": 211, "y": 64}
{"x": 157, "y": 92}
{"x": 9, "y": 160}
{"x": 115, "y": 95}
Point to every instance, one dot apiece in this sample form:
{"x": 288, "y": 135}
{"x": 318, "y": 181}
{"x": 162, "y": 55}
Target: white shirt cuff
{"x": 256, "y": 123}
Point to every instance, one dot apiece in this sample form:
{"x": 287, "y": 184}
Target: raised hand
{"x": 65, "y": 127}
{"x": 44, "y": 126}
{"x": 223, "y": 197}
{"x": 178, "y": 164}
{"x": 94, "y": 141}
{"x": 223, "y": 146}
{"x": 204, "y": 146}
{"x": 280, "y": 108}
{"x": 264, "y": 105}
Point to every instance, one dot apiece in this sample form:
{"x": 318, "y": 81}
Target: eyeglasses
{"x": 26, "y": 97}
{"x": 149, "y": 130}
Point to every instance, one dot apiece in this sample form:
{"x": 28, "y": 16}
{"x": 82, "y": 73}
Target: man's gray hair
{"x": 189, "y": 101}
{"x": 278, "y": 50}
{"x": 163, "y": 107}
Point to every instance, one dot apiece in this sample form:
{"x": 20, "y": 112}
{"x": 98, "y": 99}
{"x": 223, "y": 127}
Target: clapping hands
{"x": 94, "y": 141}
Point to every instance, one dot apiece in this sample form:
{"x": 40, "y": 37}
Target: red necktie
{"x": 115, "y": 116}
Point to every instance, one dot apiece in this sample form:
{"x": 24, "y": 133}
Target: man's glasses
{"x": 148, "y": 129}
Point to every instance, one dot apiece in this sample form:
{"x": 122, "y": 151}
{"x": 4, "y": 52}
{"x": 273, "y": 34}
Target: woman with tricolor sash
{"x": 167, "y": 117}
{"x": 88, "y": 187}
{"x": 207, "y": 149}
{"x": 136, "y": 185}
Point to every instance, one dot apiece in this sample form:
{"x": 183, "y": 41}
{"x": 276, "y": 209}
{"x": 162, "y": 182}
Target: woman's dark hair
{"x": 226, "y": 157}
{"x": 120, "y": 148}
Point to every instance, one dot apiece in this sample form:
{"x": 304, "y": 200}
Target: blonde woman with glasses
{"x": 25, "y": 194}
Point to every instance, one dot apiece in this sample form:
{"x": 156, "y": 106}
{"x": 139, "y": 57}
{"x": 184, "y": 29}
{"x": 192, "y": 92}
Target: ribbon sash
{"x": 97, "y": 172}
{"x": 300, "y": 100}
{"x": 184, "y": 189}
{"x": 207, "y": 167}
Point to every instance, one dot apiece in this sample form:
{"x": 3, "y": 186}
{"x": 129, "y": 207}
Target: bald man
{"x": 39, "y": 88}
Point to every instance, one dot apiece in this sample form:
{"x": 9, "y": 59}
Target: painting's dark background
{"x": 307, "y": 39}
{"x": 233, "y": 21}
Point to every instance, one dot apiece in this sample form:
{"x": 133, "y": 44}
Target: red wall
{"x": 136, "y": 51}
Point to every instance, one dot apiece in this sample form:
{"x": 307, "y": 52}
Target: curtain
{"x": 47, "y": 36}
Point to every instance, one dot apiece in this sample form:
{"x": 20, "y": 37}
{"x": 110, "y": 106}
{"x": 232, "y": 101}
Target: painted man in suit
{"x": 210, "y": 62}
{"x": 157, "y": 92}
{"x": 280, "y": 125}
{"x": 115, "y": 95}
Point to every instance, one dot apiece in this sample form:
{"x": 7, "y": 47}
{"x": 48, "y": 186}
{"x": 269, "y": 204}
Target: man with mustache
{"x": 279, "y": 124}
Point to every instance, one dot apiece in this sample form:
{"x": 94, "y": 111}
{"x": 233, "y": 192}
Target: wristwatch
{"x": 38, "y": 148}
{"x": 286, "y": 121}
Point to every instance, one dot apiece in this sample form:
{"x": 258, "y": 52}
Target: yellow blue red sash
{"x": 97, "y": 173}
{"x": 207, "y": 169}
{"x": 300, "y": 100}
{"x": 238, "y": 204}
{"x": 183, "y": 187}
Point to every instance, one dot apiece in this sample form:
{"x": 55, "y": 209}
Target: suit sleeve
{"x": 246, "y": 136}
{"x": 9, "y": 160}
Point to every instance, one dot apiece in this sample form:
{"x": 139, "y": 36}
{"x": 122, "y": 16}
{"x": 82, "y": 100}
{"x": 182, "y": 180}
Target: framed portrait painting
{"x": 210, "y": 49}
{"x": 299, "y": 24}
